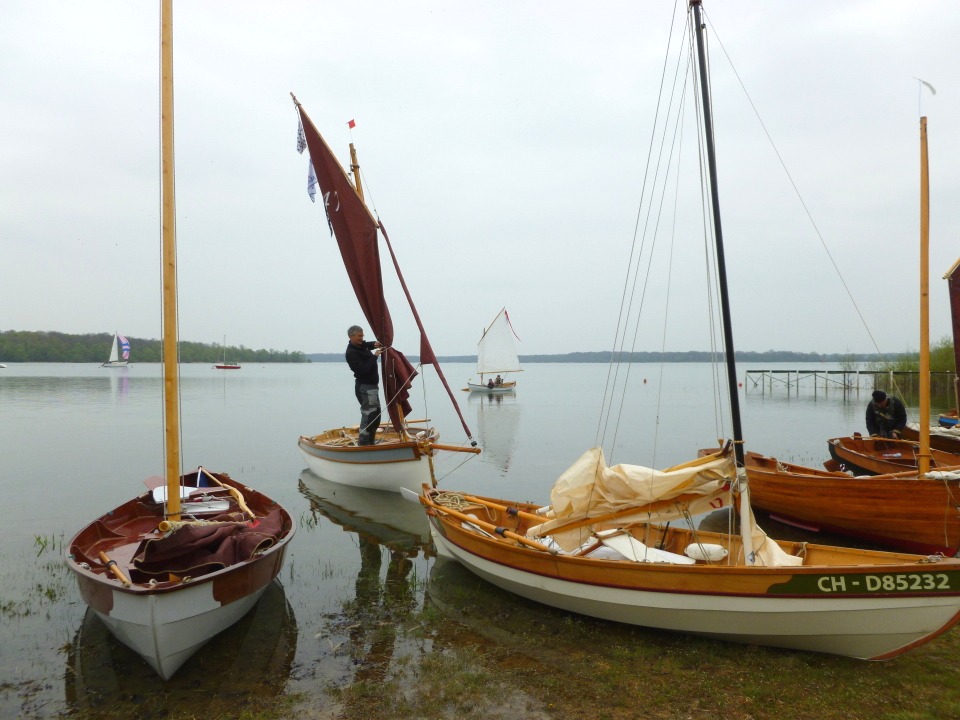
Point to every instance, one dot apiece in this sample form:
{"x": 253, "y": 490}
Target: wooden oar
{"x": 238, "y": 496}
{"x": 504, "y": 508}
{"x": 115, "y": 569}
{"x": 489, "y": 527}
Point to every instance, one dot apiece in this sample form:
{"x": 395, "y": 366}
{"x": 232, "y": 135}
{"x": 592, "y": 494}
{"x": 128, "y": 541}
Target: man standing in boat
{"x": 886, "y": 416}
{"x": 362, "y": 359}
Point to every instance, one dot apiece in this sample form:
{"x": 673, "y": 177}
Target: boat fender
{"x": 705, "y": 552}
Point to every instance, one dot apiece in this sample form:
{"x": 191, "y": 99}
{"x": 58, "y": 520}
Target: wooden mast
{"x": 171, "y": 387}
{"x": 923, "y": 454}
{"x": 355, "y": 169}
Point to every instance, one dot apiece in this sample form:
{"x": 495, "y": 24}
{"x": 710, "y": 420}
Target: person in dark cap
{"x": 886, "y": 415}
{"x": 361, "y": 356}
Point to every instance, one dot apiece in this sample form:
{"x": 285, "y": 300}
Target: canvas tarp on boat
{"x": 199, "y": 548}
{"x": 623, "y": 494}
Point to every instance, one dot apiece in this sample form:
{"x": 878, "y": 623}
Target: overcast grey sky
{"x": 504, "y": 146}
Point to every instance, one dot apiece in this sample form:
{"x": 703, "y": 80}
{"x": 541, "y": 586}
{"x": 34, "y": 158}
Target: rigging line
{"x": 663, "y": 338}
{"x": 796, "y": 190}
{"x": 709, "y": 255}
{"x": 608, "y": 390}
{"x": 671, "y": 154}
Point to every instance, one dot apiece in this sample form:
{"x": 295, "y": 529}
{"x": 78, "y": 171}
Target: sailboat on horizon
{"x": 119, "y": 352}
{"x": 174, "y": 566}
{"x": 222, "y": 363}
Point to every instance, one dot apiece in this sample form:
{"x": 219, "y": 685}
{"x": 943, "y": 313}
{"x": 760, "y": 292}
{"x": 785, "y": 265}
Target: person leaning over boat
{"x": 362, "y": 359}
{"x": 886, "y": 415}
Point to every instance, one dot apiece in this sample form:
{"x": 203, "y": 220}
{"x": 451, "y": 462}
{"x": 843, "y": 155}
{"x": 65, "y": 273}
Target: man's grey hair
{"x": 353, "y": 330}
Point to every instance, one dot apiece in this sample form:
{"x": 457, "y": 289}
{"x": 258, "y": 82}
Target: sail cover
{"x": 496, "y": 352}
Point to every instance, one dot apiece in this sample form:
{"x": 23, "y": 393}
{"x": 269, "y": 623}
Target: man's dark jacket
{"x": 363, "y": 362}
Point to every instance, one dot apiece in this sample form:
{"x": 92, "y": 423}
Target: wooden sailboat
{"x": 403, "y": 453}
{"x": 178, "y": 564}
{"x": 496, "y": 355}
{"x": 875, "y": 456}
{"x": 222, "y": 363}
{"x": 119, "y": 352}
{"x": 600, "y": 547}
{"x": 915, "y": 509}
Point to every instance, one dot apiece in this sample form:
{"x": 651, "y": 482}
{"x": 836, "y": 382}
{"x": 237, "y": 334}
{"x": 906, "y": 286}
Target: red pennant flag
{"x": 352, "y": 124}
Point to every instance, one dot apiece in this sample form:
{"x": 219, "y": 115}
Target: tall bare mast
{"x": 171, "y": 379}
{"x": 923, "y": 454}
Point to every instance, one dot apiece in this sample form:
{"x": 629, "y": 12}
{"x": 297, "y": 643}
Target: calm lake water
{"x": 76, "y": 440}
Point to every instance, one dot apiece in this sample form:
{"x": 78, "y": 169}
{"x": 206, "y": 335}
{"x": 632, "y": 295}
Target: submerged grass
{"x": 450, "y": 646}
{"x": 496, "y": 656}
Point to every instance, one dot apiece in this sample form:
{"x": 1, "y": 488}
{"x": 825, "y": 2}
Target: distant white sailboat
{"x": 222, "y": 363}
{"x": 496, "y": 354}
{"x": 118, "y": 357}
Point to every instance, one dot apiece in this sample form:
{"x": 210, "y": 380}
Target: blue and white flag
{"x": 311, "y": 179}
{"x": 301, "y": 138}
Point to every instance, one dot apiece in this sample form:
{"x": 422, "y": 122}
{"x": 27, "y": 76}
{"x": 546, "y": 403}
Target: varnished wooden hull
{"x": 901, "y": 511}
{"x": 394, "y": 462}
{"x": 166, "y": 622}
{"x": 876, "y": 456}
{"x": 941, "y": 438}
{"x": 861, "y": 604}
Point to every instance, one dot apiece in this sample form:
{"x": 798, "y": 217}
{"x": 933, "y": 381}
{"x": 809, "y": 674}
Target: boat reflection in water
{"x": 250, "y": 660}
{"x": 498, "y": 419}
{"x": 391, "y": 534}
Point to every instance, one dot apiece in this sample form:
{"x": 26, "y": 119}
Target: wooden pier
{"x": 846, "y": 382}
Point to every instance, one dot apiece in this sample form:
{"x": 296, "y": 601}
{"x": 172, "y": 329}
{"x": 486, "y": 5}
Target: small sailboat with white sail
{"x": 171, "y": 568}
{"x": 496, "y": 355}
{"x": 119, "y": 352}
{"x": 404, "y": 449}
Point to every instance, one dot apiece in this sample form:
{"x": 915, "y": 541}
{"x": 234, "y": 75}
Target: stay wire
{"x": 613, "y": 367}
{"x": 796, "y": 190}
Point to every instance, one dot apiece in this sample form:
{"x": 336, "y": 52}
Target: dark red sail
{"x": 355, "y": 230}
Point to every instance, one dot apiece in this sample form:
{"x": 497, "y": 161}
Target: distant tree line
{"x": 19, "y": 346}
{"x": 605, "y": 356}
